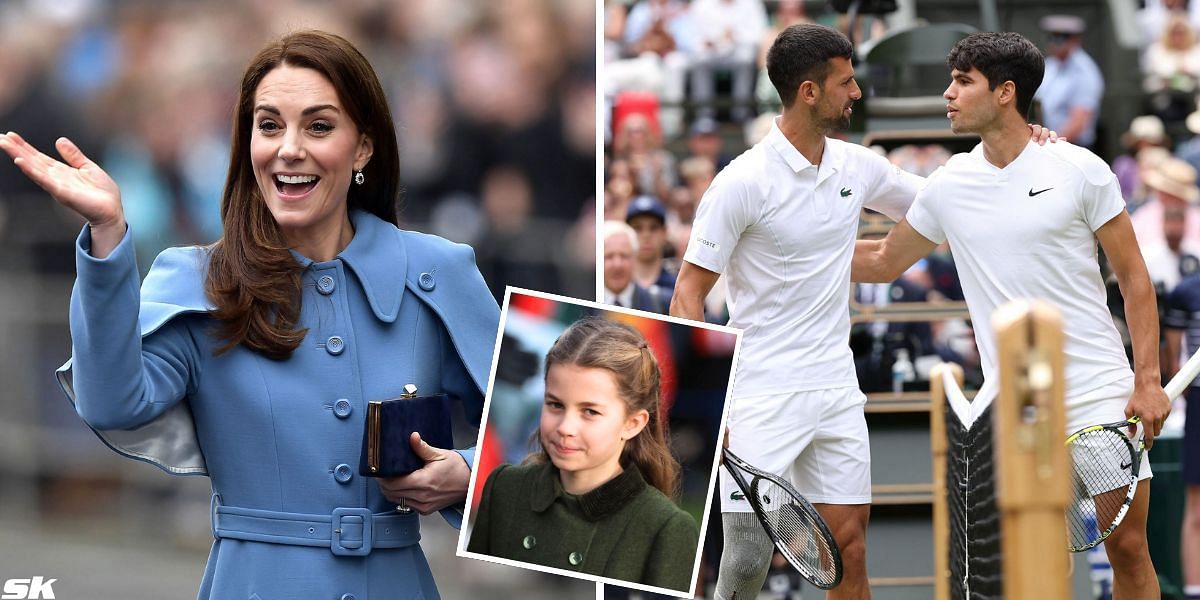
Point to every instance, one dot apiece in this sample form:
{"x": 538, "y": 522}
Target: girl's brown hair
{"x": 598, "y": 343}
{"x": 253, "y": 279}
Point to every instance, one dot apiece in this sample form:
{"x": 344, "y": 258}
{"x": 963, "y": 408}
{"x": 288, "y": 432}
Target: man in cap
{"x": 1073, "y": 85}
{"x": 704, "y": 139}
{"x": 648, "y": 218}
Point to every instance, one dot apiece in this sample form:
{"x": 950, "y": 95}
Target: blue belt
{"x": 345, "y": 531}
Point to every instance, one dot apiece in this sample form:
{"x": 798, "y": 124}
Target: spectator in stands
{"x": 1073, "y": 85}
{"x": 704, "y": 139}
{"x": 619, "y": 188}
{"x": 876, "y": 344}
{"x": 1148, "y": 159}
{"x": 1171, "y": 259}
{"x": 789, "y": 12}
{"x": 1190, "y": 149}
{"x": 1183, "y": 315}
{"x": 728, "y": 33}
{"x": 1144, "y": 132}
{"x": 648, "y": 217}
{"x": 620, "y": 247}
{"x": 1153, "y": 18}
{"x": 1172, "y": 185}
{"x": 1171, "y": 66}
{"x": 698, "y": 173}
{"x": 656, "y": 45}
{"x": 637, "y": 142}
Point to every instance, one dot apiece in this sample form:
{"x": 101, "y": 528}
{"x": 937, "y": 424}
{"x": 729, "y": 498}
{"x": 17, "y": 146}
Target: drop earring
{"x": 358, "y": 177}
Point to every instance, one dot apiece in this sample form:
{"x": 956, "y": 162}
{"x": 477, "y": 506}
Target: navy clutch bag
{"x": 386, "y": 449}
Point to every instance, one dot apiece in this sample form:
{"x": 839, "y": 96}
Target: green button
{"x": 576, "y": 559}
{"x": 529, "y": 542}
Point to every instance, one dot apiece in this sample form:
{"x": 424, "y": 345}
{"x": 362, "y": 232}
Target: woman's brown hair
{"x": 597, "y": 343}
{"x": 253, "y": 279}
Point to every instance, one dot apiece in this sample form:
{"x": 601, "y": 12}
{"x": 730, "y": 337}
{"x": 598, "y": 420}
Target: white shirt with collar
{"x": 624, "y": 298}
{"x": 782, "y": 231}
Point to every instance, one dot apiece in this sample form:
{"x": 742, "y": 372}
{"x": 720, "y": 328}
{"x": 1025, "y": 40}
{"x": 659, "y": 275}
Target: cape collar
{"x": 596, "y": 504}
{"x": 377, "y": 257}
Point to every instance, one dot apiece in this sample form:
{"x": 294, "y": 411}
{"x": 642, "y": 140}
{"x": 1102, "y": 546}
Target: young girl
{"x": 596, "y": 497}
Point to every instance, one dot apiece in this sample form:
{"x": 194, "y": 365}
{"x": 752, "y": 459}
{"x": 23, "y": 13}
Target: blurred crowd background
{"x": 495, "y": 112}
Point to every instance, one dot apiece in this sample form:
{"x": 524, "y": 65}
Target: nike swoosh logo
{"x": 1033, "y": 193}
{"x": 1126, "y": 465}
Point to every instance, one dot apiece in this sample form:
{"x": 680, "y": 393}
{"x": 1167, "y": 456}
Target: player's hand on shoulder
{"x": 1041, "y": 135}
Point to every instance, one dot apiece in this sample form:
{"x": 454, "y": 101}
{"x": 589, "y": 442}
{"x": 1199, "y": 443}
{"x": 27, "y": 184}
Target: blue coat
{"x": 281, "y": 439}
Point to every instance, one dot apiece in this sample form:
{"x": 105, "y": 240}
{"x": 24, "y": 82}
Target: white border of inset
{"x": 712, "y": 477}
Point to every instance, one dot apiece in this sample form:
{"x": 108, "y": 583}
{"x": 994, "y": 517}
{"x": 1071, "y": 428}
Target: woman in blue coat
{"x": 252, "y": 360}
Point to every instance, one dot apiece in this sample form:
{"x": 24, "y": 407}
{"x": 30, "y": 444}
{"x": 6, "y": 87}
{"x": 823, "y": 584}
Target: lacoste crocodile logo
{"x": 846, "y": 192}
{"x": 737, "y": 496}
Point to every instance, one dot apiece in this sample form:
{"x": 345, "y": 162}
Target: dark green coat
{"x": 624, "y": 529}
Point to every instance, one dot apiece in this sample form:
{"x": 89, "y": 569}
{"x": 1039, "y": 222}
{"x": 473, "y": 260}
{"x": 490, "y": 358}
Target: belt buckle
{"x": 339, "y": 516}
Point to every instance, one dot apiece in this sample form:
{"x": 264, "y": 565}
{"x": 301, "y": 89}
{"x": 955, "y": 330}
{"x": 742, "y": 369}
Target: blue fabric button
{"x": 326, "y": 285}
{"x": 342, "y": 473}
{"x": 347, "y": 596}
{"x": 426, "y": 281}
{"x": 334, "y": 345}
{"x": 342, "y": 408}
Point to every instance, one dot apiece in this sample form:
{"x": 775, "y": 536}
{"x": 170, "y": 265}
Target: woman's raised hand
{"x": 79, "y": 184}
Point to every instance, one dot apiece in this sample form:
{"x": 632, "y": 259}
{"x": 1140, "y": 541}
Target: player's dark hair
{"x": 1002, "y": 57}
{"x": 801, "y": 53}
{"x": 598, "y": 343}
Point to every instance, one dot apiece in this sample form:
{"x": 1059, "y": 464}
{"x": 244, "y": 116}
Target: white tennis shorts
{"x": 817, "y": 440}
{"x": 1103, "y": 405}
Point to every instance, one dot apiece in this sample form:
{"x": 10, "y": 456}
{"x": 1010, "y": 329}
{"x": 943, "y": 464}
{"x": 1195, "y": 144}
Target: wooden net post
{"x": 1032, "y": 482}
{"x": 939, "y": 448}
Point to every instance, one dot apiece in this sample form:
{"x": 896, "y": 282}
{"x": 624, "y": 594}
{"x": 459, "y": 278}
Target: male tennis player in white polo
{"x": 780, "y": 222}
{"x": 1022, "y": 221}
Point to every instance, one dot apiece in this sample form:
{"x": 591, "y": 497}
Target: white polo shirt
{"x": 782, "y": 231}
{"x": 1027, "y": 231}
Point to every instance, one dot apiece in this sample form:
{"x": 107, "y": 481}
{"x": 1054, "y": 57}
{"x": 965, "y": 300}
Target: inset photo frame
{"x": 597, "y": 454}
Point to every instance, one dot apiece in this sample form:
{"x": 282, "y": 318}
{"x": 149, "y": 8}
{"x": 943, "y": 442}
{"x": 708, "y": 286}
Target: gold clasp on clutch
{"x": 410, "y": 391}
{"x": 374, "y": 408}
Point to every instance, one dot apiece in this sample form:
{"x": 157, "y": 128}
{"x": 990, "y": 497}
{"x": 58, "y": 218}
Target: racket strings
{"x": 1101, "y": 484}
{"x": 801, "y": 535}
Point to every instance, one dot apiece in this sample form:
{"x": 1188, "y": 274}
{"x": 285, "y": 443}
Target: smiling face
{"x": 304, "y": 148}
{"x": 971, "y": 106}
{"x": 585, "y": 425}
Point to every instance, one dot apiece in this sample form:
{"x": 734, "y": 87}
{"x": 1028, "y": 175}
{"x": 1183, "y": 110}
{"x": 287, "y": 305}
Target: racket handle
{"x": 1184, "y": 377}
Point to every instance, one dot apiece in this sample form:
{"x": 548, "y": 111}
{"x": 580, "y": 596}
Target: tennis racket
{"x": 1106, "y": 462}
{"x": 797, "y": 529}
